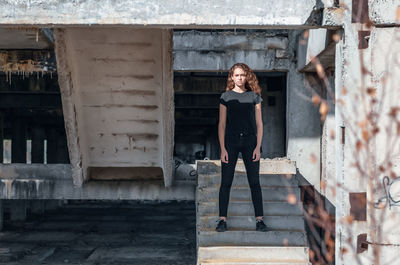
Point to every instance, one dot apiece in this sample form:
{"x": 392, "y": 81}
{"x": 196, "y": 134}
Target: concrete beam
{"x": 168, "y": 107}
{"x": 218, "y": 51}
{"x": 78, "y": 164}
{"x": 174, "y": 13}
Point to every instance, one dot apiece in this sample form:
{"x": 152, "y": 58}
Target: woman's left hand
{"x": 256, "y": 154}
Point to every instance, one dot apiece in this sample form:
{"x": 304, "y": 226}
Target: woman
{"x": 240, "y": 129}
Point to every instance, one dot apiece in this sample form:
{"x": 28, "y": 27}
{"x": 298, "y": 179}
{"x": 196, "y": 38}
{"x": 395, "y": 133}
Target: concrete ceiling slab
{"x": 15, "y": 39}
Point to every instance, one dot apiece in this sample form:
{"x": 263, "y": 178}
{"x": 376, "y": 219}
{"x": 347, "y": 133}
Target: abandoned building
{"x": 111, "y": 101}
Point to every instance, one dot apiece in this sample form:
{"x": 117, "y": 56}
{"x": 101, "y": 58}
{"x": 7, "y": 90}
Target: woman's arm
{"x": 257, "y": 152}
{"x": 221, "y": 132}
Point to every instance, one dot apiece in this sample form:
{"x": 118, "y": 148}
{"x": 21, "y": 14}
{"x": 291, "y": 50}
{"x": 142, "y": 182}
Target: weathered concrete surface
{"x": 24, "y": 39}
{"x": 218, "y": 51}
{"x": 373, "y": 65}
{"x": 257, "y": 255}
{"x": 267, "y": 166}
{"x": 383, "y": 12}
{"x": 282, "y": 211}
{"x": 172, "y": 13}
{"x": 114, "y": 233}
{"x": 117, "y": 95}
{"x": 303, "y": 124}
{"x": 21, "y": 181}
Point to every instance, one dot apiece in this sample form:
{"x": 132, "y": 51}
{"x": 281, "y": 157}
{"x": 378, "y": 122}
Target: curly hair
{"x": 251, "y": 79}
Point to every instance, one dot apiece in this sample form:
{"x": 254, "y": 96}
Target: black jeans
{"x": 244, "y": 144}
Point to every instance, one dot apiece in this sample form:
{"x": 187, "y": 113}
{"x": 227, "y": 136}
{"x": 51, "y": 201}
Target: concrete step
{"x": 244, "y": 194}
{"x": 253, "y": 255}
{"x": 248, "y": 222}
{"x": 251, "y": 238}
{"x": 240, "y": 179}
{"x": 223, "y": 262}
{"x": 246, "y": 209}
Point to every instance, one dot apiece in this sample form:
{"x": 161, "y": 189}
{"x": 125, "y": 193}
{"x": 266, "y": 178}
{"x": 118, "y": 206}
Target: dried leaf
{"x": 323, "y": 109}
{"x": 320, "y": 70}
{"x": 375, "y": 131}
{"x": 313, "y": 158}
{"x": 332, "y": 134}
{"x": 306, "y": 34}
{"x": 359, "y": 145}
{"x": 393, "y": 175}
{"x": 371, "y": 91}
{"x": 349, "y": 219}
{"x": 363, "y": 124}
{"x": 381, "y": 168}
{"x": 315, "y": 100}
{"x": 323, "y": 184}
{"x": 344, "y": 250}
{"x": 393, "y": 112}
{"x": 285, "y": 242}
{"x": 312, "y": 254}
{"x": 398, "y": 128}
{"x": 344, "y": 91}
{"x": 398, "y": 13}
{"x": 369, "y": 23}
{"x": 365, "y": 135}
{"x": 333, "y": 191}
{"x": 336, "y": 37}
{"x": 291, "y": 198}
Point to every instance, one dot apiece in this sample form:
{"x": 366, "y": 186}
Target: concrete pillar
{"x": 37, "y": 207}
{"x": 1, "y": 215}
{"x": 18, "y": 210}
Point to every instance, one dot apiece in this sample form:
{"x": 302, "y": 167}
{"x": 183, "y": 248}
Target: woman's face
{"x": 239, "y": 77}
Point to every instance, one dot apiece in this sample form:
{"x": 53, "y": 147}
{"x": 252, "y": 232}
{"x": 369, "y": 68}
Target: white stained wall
{"x": 119, "y": 85}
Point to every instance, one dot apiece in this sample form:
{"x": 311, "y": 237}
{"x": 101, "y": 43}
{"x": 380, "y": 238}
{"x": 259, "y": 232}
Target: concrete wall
{"x": 216, "y": 51}
{"x": 120, "y": 89}
{"x": 363, "y": 64}
{"x": 269, "y": 50}
{"x": 168, "y": 13}
{"x": 303, "y": 124}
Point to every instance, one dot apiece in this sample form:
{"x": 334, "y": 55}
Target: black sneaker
{"x": 260, "y": 226}
{"x": 221, "y": 226}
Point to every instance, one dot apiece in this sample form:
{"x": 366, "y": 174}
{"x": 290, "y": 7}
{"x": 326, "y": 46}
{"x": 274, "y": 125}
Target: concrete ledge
{"x": 54, "y": 181}
{"x": 267, "y": 166}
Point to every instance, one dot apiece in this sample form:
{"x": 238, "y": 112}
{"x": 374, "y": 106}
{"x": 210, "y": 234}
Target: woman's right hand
{"x": 224, "y": 156}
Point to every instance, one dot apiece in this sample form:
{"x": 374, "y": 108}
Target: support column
{"x": 18, "y": 210}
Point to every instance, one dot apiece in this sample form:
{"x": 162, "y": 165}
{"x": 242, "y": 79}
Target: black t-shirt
{"x": 240, "y": 111}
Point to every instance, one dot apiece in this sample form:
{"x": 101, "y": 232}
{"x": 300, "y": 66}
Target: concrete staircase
{"x": 241, "y": 244}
